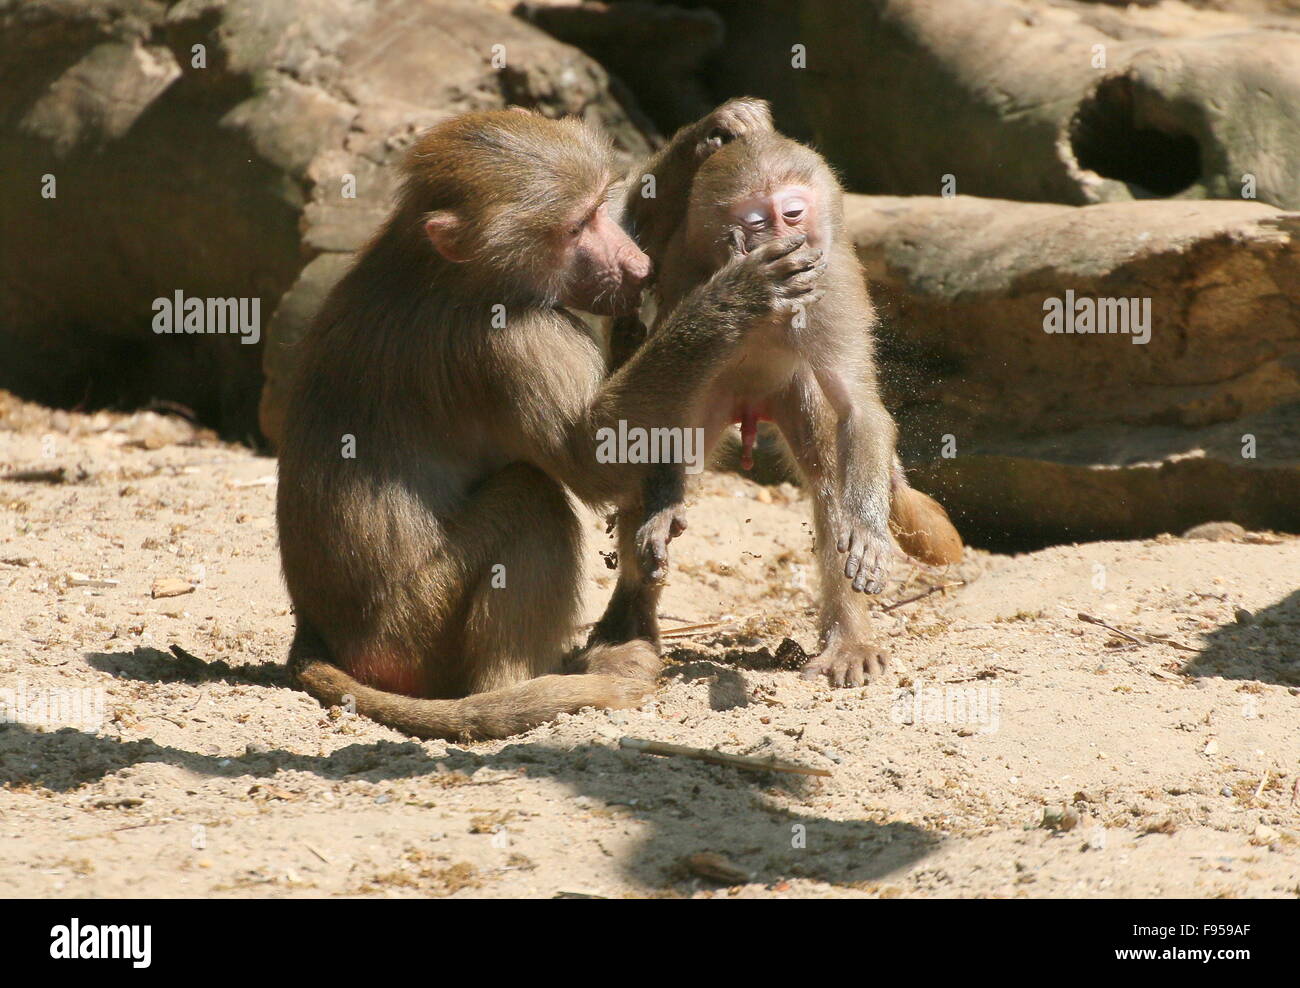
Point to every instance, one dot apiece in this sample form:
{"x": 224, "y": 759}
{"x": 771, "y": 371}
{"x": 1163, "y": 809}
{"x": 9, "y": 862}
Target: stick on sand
{"x": 921, "y": 596}
{"x": 745, "y": 762}
{"x": 1145, "y": 639}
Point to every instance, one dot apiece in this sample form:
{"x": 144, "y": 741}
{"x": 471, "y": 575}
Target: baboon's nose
{"x": 637, "y": 267}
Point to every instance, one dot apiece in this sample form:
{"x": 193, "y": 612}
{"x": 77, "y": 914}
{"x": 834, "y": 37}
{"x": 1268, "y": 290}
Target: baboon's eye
{"x": 754, "y": 217}
{"x": 576, "y": 228}
{"x": 794, "y": 210}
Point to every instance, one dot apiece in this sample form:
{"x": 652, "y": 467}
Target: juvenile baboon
{"x": 445, "y": 400}
{"x": 811, "y": 371}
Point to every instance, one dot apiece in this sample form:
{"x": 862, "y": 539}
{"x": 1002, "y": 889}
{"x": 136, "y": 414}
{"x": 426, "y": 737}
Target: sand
{"x": 1014, "y": 750}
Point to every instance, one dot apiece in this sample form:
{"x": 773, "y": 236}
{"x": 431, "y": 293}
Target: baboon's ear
{"x": 443, "y": 229}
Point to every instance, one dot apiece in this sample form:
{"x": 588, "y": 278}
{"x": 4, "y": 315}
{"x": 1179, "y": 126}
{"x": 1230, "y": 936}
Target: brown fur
{"x": 470, "y": 432}
{"x": 817, "y": 382}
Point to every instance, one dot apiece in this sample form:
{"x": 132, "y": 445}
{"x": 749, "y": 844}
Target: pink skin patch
{"x": 749, "y": 416}
{"x": 388, "y": 672}
{"x": 787, "y": 210}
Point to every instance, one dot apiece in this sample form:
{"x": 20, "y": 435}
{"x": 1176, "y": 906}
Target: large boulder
{"x": 225, "y": 149}
{"x": 1028, "y": 434}
{"x": 1054, "y": 100}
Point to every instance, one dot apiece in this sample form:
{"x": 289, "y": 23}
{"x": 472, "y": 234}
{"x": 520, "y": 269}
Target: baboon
{"x": 446, "y": 404}
{"x": 811, "y": 372}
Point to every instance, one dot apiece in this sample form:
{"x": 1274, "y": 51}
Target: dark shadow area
{"x": 151, "y": 665}
{"x": 676, "y": 62}
{"x": 691, "y": 806}
{"x": 1264, "y": 648}
{"x": 744, "y": 652}
{"x": 654, "y": 52}
{"x": 180, "y": 202}
{"x": 1113, "y": 134}
{"x": 726, "y": 686}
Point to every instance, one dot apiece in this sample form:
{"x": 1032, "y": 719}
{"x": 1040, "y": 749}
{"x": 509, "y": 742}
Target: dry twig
{"x": 921, "y": 596}
{"x": 1144, "y": 639}
{"x": 746, "y": 762}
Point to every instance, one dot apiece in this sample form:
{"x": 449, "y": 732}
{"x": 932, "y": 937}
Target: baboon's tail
{"x": 921, "y": 527}
{"x": 498, "y": 714}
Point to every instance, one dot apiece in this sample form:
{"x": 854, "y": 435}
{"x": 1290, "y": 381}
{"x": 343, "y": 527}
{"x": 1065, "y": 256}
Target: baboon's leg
{"x": 520, "y": 614}
{"x": 519, "y": 623}
{"x": 646, "y": 524}
{"x": 508, "y": 627}
{"x": 632, "y": 612}
{"x": 849, "y": 654}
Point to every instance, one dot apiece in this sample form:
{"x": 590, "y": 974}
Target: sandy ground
{"x": 1158, "y": 770}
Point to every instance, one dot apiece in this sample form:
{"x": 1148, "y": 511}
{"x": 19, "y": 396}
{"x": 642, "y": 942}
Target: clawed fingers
{"x": 804, "y": 259}
{"x": 866, "y": 560}
{"x": 652, "y": 543}
{"x": 736, "y": 243}
{"x": 847, "y": 666}
{"x": 738, "y": 117}
{"x": 654, "y": 559}
{"x": 802, "y": 283}
{"x": 774, "y": 250}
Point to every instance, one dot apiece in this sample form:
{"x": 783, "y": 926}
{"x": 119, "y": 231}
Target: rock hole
{"x": 1126, "y": 132}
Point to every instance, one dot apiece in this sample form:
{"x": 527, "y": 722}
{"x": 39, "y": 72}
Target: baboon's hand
{"x": 867, "y": 549}
{"x": 732, "y": 119}
{"x": 652, "y": 539}
{"x": 773, "y": 277}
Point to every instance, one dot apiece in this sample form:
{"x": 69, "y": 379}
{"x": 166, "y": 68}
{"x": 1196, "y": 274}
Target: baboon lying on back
{"x": 445, "y": 400}
{"x": 811, "y": 372}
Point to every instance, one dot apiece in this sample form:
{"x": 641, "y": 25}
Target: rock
{"x": 1264, "y": 835}
{"x": 102, "y": 95}
{"x": 170, "y": 586}
{"x": 1060, "y": 818}
{"x": 1216, "y": 531}
{"x": 1028, "y": 436}
{"x": 1054, "y": 101}
{"x": 247, "y": 168}
{"x": 717, "y": 868}
{"x": 292, "y": 316}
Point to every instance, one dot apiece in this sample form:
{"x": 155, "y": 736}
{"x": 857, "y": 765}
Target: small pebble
{"x": 1060, "y": 818}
